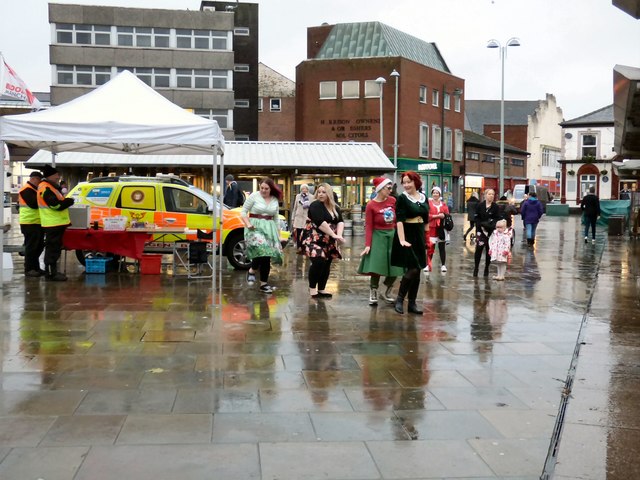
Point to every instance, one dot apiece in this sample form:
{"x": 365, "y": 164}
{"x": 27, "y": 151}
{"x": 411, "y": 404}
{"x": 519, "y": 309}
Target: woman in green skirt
{"x": 380, "y": 224}
{"x": 262, "y": 232}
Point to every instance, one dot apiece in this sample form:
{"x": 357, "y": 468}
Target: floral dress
{"x": 316, "y": 243}
{"x": 499, "y": 246}
{"x": 264, "y": 239}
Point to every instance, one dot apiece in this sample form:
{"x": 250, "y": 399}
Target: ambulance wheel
{"x": 236, "y": 251}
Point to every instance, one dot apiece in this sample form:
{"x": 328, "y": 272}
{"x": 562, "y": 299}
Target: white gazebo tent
{"x": 122, "y": 116}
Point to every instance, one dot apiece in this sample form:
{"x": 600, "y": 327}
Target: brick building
{"x": 276, "y": 106}
{"x": 340, "y": 94}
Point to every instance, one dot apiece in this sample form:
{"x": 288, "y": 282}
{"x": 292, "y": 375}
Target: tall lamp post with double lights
{"x": 512, "y": 42}
{"x": 381, "y": 81}
{"x": 396, "y": 75}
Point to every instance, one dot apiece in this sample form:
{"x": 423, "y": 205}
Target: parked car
{"x": 166, "y": 201}
{"x": 542, "y": 193}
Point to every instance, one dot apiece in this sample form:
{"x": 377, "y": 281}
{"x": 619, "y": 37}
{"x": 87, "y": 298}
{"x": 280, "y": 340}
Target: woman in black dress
{"x": 487, "y": 214}
{"x": 321, "y": 239}
{"x": 409, "y": 250}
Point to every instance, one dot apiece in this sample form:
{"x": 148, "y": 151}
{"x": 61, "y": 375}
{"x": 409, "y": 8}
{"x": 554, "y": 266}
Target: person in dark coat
{"x": 487, "y": 214}
{"x": 531, "y": 212}
{"x": 471, "y": 213}
{"x": 232, "y": 193}
{"x": 408, "y": 250}
{"x": 590, "y": 206}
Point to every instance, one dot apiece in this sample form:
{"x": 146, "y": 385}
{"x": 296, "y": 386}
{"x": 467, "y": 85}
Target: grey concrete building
{"x": 186, "y": 56}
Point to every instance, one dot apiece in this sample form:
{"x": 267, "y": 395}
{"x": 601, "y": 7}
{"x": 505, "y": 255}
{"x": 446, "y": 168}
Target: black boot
{"x": 398, "y": 307}
{"x": 475, "y": 271}
{"x": 402, "y": 292}
{"x": 53, "y": 274}
{"x": 412, "y": 307}
{"x": 486, "y": 270}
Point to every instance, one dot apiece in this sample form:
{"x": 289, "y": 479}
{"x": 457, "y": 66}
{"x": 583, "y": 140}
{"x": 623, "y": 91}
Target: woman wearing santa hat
{"x": 408, "y": 250}
{"x": 435, "y": 234}
{"x": 380, "y": 224}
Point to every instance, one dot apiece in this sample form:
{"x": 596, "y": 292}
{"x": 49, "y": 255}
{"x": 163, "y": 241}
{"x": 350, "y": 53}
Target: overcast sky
{"x": 569, "y": 47}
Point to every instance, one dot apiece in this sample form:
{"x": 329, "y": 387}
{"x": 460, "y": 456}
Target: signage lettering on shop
{"x": 358, "y": 128}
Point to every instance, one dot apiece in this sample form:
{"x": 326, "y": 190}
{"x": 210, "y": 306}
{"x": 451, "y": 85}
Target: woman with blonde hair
{"x": 321, "y": 239}
{"x": 487, "y": 214}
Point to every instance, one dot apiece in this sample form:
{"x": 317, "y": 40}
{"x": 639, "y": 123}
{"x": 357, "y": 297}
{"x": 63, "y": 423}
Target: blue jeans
{"x": 531, "y": 230}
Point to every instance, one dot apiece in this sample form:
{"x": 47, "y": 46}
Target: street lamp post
{"x": 512, "y": 42}
{"x": 381, "y": 81}
{"x": 395, "y": 130}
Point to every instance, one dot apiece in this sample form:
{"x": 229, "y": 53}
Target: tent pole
{"x": 4, "y": 176}
{"x": 214, "y": 231}
{"x": 222, "y": 184}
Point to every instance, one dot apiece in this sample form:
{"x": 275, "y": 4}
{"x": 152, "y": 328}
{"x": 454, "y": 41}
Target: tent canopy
{"x": 123, "y": 115}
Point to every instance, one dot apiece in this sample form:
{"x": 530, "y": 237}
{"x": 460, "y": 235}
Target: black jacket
{"x": 590, "y": 205}
{"x": 486, "y": 218}
{"x": 231, "y": 195}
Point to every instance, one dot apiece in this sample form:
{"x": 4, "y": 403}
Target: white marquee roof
{"x": 305, "y": 156}
{"x": 123, "y": 115}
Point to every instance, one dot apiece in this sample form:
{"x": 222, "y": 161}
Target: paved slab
{"x": 138, "y": 376}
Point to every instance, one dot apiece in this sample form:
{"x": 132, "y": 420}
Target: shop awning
{"x": 303, "y": 156}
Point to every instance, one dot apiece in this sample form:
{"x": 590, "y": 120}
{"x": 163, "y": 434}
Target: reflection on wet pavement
{"x": 138, "y": 376}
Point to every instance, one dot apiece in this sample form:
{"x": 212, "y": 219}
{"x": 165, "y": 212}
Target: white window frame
{"x": 587, "y": 181}
{"x": 198, "y": 38}
{"x": 436, "y": 141}
{"x": 350, "y": 85}
{"x": 517, "y": 162}
{"x": 424, "y": 140}
{"x": 260, "y": 103}
{"x": 435, "y": 97}
{"x": 96, "y": 74}
{"x": 223, "y": 116}
{"x": 448, "y": 143}
{"x": 154, "y": 75}
{"x": 371, "y": 89}
{"x": 241, "y": 137}
{"x": 328, "y": 90}
{"x": 446, "y": 101}
{"x": 459, "y": 139}
{"x": 596, "y": 147}
{"x": 241, "y": 103}
{"x": 422, "y": 94}
{"x": 82, "y": 29}
{"x": 212, "y": 77}
{"x": 136, "y": 34}
{"x": 457, "y": 102}
{"x": 275, "y": 104}
{"x": 241, "y": 67}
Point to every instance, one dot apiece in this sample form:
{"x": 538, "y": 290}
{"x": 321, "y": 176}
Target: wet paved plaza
{"x": 126, "y": 376}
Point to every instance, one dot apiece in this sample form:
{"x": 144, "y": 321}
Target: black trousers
{"x": 264, "y": 265}
{"x": 33, "y": 245}
{"x": 53, "y": 244}
{"x": 477, "y": 256}
{"x": 319, "y": 273}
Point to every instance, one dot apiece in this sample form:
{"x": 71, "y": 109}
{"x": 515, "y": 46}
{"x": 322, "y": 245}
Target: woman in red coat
{"x": 437, "y": 211}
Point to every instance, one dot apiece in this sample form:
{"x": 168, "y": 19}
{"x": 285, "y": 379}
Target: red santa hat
{"x": 380, "y": 182}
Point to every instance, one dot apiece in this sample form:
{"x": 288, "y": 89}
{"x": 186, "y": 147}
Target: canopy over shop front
{"x": 122, "y": 116}
{"x": 307, "y": 157}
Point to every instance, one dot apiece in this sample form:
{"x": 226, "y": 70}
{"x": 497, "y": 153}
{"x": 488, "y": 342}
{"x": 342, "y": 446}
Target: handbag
{"x": 447, "y": 222}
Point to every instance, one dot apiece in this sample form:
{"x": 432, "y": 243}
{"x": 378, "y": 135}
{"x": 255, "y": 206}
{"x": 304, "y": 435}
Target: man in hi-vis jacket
{"x": 54, "y": 216}
{"x": 30, "y": 225}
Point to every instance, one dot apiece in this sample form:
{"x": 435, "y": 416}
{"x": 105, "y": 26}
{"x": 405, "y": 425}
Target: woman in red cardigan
{"x": 437, "y": 211}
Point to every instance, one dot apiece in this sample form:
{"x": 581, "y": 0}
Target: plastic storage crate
{"x": 96, "y": 265}
{"x": 151, "y": 264}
